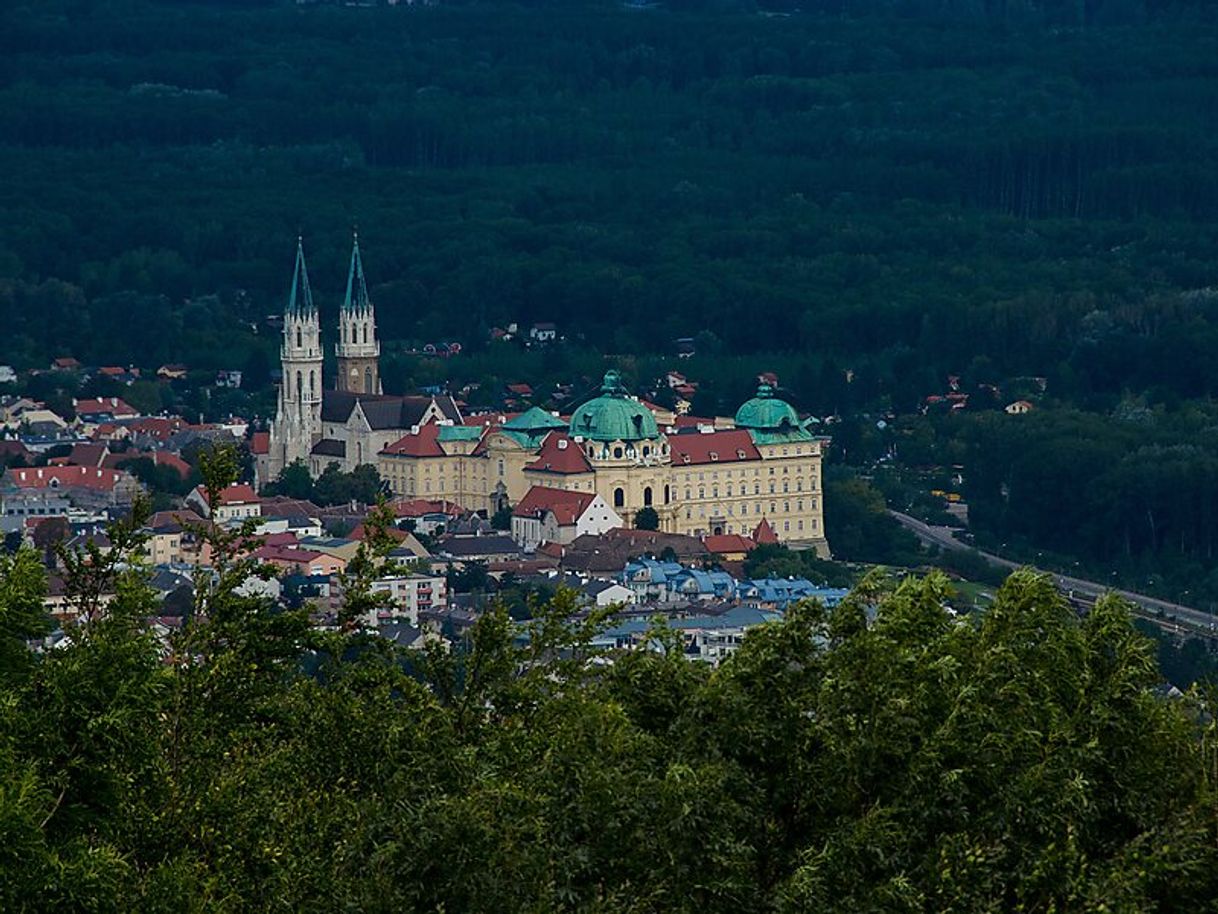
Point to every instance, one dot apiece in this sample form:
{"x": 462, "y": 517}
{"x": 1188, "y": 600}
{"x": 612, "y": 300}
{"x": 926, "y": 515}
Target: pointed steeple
{"x": 300, "y": 300}
{"x": 357, "y": 290}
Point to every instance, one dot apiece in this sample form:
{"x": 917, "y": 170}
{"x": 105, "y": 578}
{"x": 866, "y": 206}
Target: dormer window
{"x": 739, "y": 453}
{"x": 714, "y": 456}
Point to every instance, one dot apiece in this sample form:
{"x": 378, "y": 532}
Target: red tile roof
{"x": 88, "y": 455}
{"x": 240, "y": 494}
{"x": 417, "y": 507}
{"x": 97, "y": 478}
{"x": 425, "y": 444}
{"x": 11, "y": 447}
{"x": 764, "y": 534}
{"x": 728, "y": 446}
{"x": 114, "y": 406}
{"x": 157, "y": 427}
{"x": 280, "y": 539}
{"x": 727, "y": 543}
{"x": 559, "y": 454}
{"x": 260, "y": 443}
{"x": 566, "y": 506}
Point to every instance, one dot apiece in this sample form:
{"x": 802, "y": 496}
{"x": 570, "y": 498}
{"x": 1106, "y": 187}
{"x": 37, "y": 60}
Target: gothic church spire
{"x": 300, "y": 300}
{"x": 356, "y": 301}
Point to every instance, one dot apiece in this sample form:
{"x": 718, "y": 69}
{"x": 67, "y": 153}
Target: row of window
{"x": 729, "y": 510}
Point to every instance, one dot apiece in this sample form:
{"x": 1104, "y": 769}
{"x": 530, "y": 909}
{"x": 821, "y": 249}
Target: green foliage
{"x": 914, "y": 762}
{"x": 858, "y": 526}
{"x": 774, "y": 560}
{"x": 647, "y": 518}
{"x": 332, "y": 487}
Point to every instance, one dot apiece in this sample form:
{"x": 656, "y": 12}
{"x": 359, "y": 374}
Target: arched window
{"x": 299, "y": 338}
{"x": 617, "y": 452}
{"x": 619, "y": 498}
{"x": 299, "y": 389}
{"x": 368, "y": 380}
{"x": 647, "y": 496}
{"x": 667, "y": 494}
{"x": 312, "y": 385}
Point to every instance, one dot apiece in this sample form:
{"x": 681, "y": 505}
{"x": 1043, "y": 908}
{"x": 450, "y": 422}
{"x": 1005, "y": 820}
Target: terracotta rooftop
{"x": 566, "y": 506}
{"x": 728, "y": 446}
{"x": 559, "y": 454}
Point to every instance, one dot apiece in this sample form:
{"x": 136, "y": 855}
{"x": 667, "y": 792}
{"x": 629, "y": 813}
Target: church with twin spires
{"x": 350, "y": 422}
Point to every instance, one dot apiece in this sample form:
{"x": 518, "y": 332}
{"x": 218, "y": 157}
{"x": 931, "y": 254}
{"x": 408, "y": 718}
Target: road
{"x": 1187, "y": 616}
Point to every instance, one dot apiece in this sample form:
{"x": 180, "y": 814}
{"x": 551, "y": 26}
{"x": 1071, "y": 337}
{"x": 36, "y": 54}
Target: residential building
{"x": 548, "y": 515}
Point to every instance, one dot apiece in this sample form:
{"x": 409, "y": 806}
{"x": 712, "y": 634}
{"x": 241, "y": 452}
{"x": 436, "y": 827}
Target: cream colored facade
{"x": 699, "y": 483}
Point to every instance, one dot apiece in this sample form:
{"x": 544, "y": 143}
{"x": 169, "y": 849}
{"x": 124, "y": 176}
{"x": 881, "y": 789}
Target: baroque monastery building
{"x": 763, "y": 473}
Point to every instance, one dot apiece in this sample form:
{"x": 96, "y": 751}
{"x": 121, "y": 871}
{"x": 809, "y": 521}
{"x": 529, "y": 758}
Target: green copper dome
{"x": 767, "y": 413}
{"x": 613, "y": 416}
{"x": 534, "y": 420}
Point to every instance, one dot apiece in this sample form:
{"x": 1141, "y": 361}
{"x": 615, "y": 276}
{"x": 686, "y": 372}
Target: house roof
{"x": 419, "y": 507}
{"x": 239, "y": 494}
{"x": 99, "y": 479}
{"x": 728, "y": 446}
{"x": 566, "y": 506}
{"x": 424, "y": 443}
{"x": 112, "y": 406}
{"x": 88, "y": 455}
{"x": 726, "y": 543}
{"x": 764, "y": 534}
{"x": 559, "y": 454}
{"x": 260, "y": 443}
{"x": 282, "y": 506}
{"x": 11, "y": 447}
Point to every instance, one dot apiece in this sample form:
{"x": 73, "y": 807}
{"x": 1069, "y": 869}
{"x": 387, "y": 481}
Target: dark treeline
{"x": 1127, "y": 497}
{"x": 896, "y": 195}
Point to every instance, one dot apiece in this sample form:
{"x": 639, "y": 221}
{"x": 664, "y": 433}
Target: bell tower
{"x": 298, "y": 415}
{"x": 357, "y": 348}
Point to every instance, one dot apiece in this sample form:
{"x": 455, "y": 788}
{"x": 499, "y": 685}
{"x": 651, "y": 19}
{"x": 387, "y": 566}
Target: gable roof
{"x": 559, "y": 454}
{"x": 725, "y": 543}
{"x": 105, "y": 406}
{"x": 764, "y": 534}
{"x": 728, "y": 446}
{"x": 565, "y": 505}
{"x": 424, "y": 443}
{"x": 88, "y": 455}
{"x": 385, "y": 411}
{"x": 239, "y": 494}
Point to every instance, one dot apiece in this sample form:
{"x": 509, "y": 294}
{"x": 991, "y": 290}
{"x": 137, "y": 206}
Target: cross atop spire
{"x": 300, "y": 300}
{"x": 357, "y": 290}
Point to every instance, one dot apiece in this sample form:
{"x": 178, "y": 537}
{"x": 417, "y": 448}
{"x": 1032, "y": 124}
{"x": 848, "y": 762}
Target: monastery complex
{"x": 700, "y": 480}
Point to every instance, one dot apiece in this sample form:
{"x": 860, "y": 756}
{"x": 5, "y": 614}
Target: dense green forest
{"x": 943, "y": 186}
{"x": 1019, "y": 760}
